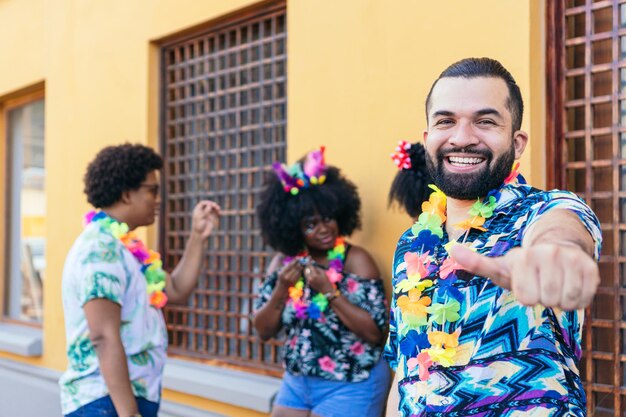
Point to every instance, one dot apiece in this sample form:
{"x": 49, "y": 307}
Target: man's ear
{"x": 520, "y": 140}
{"x": 125, "y": 197}
{"x": 425, "y": 135}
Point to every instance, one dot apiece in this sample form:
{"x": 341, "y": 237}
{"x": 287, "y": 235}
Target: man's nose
{"x": 463, "y": 135}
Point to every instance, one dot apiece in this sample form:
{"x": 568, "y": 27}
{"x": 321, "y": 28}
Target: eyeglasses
{"x": 312, "y": 224}
{"x": 152, "y": 188}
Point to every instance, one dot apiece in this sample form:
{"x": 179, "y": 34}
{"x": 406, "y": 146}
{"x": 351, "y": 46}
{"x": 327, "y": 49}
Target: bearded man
{"x": 491, "y": 281}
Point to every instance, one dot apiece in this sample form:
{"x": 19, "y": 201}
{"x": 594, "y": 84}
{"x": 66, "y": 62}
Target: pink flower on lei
{"x": 300, "y": 308}
{"x": 88, "y": 217}
{"x": 333, "y": 275}
{"x": 423, "y": 362}
{"x": 448, "y": 266}
{"x": 327, "y": 364}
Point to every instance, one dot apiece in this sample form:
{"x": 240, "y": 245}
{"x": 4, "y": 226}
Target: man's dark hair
{"x": 117, "y": 169}
{"x": 280, "y": 213}
{"x": 486, "y": 67}
{"x": 410, "y": 186}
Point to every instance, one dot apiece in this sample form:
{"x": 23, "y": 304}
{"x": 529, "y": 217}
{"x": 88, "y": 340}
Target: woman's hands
{"x": 314, "y": 276}
{"x": 317, "y": 279}
{"x": 288, "y": 275}
{"x": 267, "y": 320}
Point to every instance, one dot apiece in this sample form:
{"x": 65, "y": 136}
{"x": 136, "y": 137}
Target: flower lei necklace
{"x": 299, "y": 293}
{"x": 423, "y": 271}
{"x": 151, "y": 264}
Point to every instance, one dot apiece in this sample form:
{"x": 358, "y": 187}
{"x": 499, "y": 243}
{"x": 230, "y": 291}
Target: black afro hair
{"x": 117, "y": 169}
{"x": 280, "y": 212}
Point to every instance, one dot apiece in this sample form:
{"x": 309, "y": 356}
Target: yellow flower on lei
{"x": 157, "y": 286}
{"x": 436, "y": 203}
{"x": 413, "y": 303}
{"x": 411, "y": 322}
{"x": 412, "y": 282}
{"x": 449, "y": 340}
{"x": 473, "y": 223}
{"x": 443, "y": 356}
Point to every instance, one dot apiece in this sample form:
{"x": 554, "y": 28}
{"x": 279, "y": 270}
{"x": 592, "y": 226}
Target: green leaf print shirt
{"x": 99, "y": 266}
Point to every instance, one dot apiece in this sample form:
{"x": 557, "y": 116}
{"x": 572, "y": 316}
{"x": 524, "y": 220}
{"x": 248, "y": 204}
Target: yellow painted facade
{"x": 358, "y": 73}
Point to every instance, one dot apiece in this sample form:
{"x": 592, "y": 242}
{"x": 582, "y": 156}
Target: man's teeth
{"x": 464, "y": 161}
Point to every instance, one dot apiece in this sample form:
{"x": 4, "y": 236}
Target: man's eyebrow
{"x": 488, "y": 111}
{"x": 481, "y": 112}
{"x": 442, "y": 113}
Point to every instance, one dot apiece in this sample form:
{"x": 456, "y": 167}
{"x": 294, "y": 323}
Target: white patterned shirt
{"x": 99, "y": 266}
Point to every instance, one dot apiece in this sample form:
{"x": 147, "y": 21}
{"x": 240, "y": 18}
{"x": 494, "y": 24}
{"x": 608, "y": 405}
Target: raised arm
{"x": 554, "y": 266}
{"x": 184, "y": 278}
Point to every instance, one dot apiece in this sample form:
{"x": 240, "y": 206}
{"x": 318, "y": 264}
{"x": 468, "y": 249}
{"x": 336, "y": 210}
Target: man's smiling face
{"x": 469, "y": 142}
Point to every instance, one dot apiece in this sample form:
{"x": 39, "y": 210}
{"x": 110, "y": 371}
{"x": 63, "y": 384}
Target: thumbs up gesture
{"x": 553, "y": 275}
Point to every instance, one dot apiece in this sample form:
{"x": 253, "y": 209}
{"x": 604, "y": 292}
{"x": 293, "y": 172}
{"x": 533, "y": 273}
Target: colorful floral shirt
{"x": 512, "y": 360}
{"x": 99, "y": 266}
{"x": 326, "y": 348}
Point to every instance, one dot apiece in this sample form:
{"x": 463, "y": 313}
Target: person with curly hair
{"x": 410, "y": 185}
{"x": 114, "y": 288}
{"x": 326, "y": 294}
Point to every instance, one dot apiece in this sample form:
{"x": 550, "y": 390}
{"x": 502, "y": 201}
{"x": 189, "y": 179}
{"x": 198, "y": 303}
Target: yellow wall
{"x": 21, "y": 70}
{"x": 358, "y": 73}
{"x": 21, "y": 43}
{"x": 535, "y": 98}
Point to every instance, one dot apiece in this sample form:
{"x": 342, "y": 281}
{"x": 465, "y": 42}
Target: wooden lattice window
{"x": 224, "y": 121}
{"x": 587, "y": 140}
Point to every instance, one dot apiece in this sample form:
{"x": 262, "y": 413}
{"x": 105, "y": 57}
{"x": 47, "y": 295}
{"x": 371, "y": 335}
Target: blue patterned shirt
{"x": 512, "y": 359}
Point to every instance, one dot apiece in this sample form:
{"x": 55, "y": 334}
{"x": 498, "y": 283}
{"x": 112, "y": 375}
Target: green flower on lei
{"x": 430, "y": 222}
{"x": 442, "y": 313}
{"x": 485, "y": 209}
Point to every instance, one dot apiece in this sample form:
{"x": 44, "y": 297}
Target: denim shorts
{"x": 336, "y": 398}
{"x": 104, "y": 408}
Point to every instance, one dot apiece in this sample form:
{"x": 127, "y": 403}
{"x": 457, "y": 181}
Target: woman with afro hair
{"x": 324, "y": 293}
{"x": 409, "y": 188}
{"x": 114, "y": 288}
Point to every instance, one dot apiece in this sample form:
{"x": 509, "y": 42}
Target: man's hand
{"x": 549, "y": 274}
{"x": 204, "y": 218}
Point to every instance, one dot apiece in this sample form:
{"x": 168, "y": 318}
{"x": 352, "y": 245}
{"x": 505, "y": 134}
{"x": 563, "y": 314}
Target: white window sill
{"x": 241, "y": 389}
{"x": 21, "y": 340}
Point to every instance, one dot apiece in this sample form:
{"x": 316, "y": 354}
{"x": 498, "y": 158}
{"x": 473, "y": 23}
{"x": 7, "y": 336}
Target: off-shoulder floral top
{"x": 325, "y": 347}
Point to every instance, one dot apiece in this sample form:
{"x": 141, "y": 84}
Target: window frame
{"x": 7, "y": 104}
{"x": 258, "y": 11}
{"x": 587, "y": 164}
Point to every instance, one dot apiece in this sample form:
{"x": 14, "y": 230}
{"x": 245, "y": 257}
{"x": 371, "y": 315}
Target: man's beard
{"x": 471, "y": 185}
